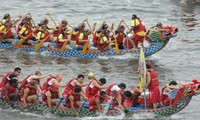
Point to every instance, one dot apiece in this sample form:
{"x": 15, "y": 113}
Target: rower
{"x": 29, "y": 93}
{"x": 43, "y": 35}
{"x": 59, "y": 29}
{"x": 62, "y": 38}
{"x": 37, "y": 76}
{"x": 120, "y": 35}
{"x": 10, "y": 75}
{"x": 9, "y": 91}
{"x": 134, "y": 99}
{"x": 94, "y": 87}
{"x": 77, "y": 31}
{"x": 24, "y": 21}
{"x": 51, "y": 95}
{"x": 52, "y": 80}
{"x": 25, "y": 32}
{"x": 72, "y": 99}
{"x": 95, "y": 102}
{"x": 83, "y": 38}
{"x": 114, "y": 88}
{"x": 119, "y": 100}
{"x": 6, "y": 33}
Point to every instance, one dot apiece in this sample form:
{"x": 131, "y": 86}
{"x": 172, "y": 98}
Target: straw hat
{"x": 90, "y": 75}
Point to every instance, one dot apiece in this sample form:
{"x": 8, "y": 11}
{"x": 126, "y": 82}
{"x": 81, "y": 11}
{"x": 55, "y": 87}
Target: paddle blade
{"x": 37, "y": 47}
{"x": 63, "y": 47}
{"x": 117, "y": 48}
{"x": 20, "y": 43}
{"x": 85, "y": 48}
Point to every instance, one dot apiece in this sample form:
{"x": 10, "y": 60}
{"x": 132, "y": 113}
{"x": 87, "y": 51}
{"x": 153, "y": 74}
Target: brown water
{"x": 178, "y": 60}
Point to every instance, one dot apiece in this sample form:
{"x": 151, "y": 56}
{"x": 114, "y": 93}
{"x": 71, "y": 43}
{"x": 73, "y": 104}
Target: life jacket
{"x": 108, "y": 90}
{"x": 57, "y": 32}
{"x": 90, "y": 92}
{"x": 101, "y": 44}
{"x": 60, "y": 44}
{"x": 120, "y": 37}
{"x": 28, "y": 30}
{"x": 5, "y": 79}
{"x": 85, "y": 37}
{"x": 32, "y": 91}
{"x": 75, "y": 35}
{"x": 96, "y": 37}
{"x": 8, "y": 33}
{"x": 47, "y": 39}
{"x": 67, "y": 99}
{"x": 10, "y": 90}
{"x": 69, "y": 87}
{"x": 19, "y": 27}
{"x": 154, "y": 79}
{"x": 46, "y": 85}
{"x": 139, "y": 27}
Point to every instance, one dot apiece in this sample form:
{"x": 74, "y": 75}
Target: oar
{"x": 126, "y": 25}
{"x": 57, "y": 106}
{"x": 33, "y": 102}
{"x": 62, "y": 49}
{"x": 52, "y": 19}
{"x": 5, "y": 33}
{"x": 32, "y": 19}
{"x": 86, "y": 44}
{"x": 22, "y": 40}
{"x": 116, "y": 45}
{"x": 37, "y": 47}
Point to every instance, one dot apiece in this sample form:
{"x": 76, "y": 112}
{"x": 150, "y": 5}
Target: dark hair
{"x": 122, "y": 85}
{"x": 12, "y": 76}
{"x": 103, "y": 80}
{"x": 173, "y": 83}
{"x": 102, "y": 93}
{"x": 134, "y": 16}
{"x": 80, "y": 76}
{"x": 38, "y": 72}
{"x": 13, "y": 82}
{"x": 148, "y": 66}
{"x": 127, "y": 94}
{"x": 76, "y": 90}
{"x": 17, "y": 68}
{"x": 6, "y": 16}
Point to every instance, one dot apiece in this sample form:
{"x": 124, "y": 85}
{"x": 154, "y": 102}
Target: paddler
{"x": 94, "y": 87}
{"x": 60, "y": 28}
{"x": 114, "y": 88}
{"x": 83, "y": 38}
{"x": 72, "y": 99}
{"x": 29, "y": 93}
{"x": 50, "y": 96}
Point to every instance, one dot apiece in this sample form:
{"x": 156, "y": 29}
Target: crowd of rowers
{"x": 30, "y": 89}
{"x": 103, "y": 38}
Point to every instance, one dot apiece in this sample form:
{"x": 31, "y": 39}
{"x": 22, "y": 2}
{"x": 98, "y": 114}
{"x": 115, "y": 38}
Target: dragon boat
{"x": 182, "y": 99}
{"x": 156, "y": 42}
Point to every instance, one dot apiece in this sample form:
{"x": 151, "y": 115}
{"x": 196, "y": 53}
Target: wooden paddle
{"x": 32, "y": 19}
{"x": 37, "y": 47}
{"x": 52, "y": 19}
{"x": 116, "y": 45}
{"x": 87, "y": 43}
{"x": 22, "y": 40}
{"x": 57, "y": 105}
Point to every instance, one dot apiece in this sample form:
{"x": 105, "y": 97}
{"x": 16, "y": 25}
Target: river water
{"x": 177, "y": 61}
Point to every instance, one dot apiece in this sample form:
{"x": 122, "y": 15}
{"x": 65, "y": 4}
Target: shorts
{"x": 45, "y": 44}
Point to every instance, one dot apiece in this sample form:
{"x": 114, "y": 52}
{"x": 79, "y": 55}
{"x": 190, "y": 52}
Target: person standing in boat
{"x": 72, "y": 99}
{"x": 83, "y": 38}
{"x": 94, "y": 87}
{"x": 29, "y": 93}
{"x": 62, "y": 38}
{"x": 11, "y": 75}
{"x": 77, "y": 31}
{"x": 43, "y": 35}
{"x": 26, "y": 33}
{"x": 95, "y": 102}
{"x": 9, "y": 91}
{"x": 139, "y": 30}
{"x": 152, "y": 85}
{"x": 50, "y": 96}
